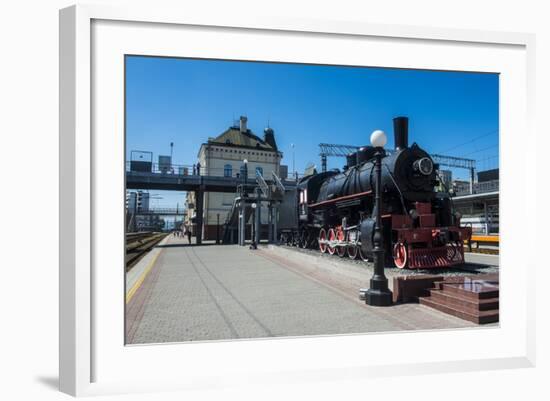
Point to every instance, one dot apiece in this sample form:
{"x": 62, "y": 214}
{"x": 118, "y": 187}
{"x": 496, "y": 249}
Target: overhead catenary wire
{"x": 481, "y": 150}
{"x": 470, "y": 141}
{"x": 488, "y": 162}
{"x": 488, "y": 158}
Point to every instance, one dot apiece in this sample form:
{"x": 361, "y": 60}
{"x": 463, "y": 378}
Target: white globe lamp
{"x": 378, "y": 139}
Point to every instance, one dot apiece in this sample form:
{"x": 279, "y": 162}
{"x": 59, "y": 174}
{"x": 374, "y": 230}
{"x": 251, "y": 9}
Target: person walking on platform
{"x": 188, "y": 234}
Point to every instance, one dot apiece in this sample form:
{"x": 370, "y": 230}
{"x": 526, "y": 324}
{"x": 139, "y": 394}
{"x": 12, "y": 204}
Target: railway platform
{"x": 181, "y": 292}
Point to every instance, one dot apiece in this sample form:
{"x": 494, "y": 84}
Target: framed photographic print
{"x": 269, "y": 200}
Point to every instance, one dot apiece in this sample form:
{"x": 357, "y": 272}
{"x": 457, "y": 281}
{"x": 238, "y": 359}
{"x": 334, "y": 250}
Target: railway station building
{"x": 224, "y": 156}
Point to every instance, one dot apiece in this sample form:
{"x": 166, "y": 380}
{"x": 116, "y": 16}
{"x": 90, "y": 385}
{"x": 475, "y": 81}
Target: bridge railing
{"x": 167, "y": 169}
{"x": 180, "y": 170}
{"x": 161, "y": 211}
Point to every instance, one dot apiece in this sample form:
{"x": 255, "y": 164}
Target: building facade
{"x": 137, "y": 201}
{"x": 224, "y": 156}
{"x": 487, "y": 181}
{"x": 137, "y": 217}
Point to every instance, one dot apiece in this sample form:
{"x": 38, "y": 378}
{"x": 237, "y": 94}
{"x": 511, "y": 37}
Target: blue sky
{"x": 185, "y": 101}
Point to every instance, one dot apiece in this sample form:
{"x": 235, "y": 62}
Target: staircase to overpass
{"x": 270, "y": 192}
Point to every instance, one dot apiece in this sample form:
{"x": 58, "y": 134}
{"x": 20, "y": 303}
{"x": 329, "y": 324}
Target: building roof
{"x": 234, "y": 137}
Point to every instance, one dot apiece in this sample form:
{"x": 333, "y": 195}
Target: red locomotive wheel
{"x": 322, "y": 239}
{"x": 331, "y": 238}
{"x": 400, "y": 256}
{"x": 341, "y": 250}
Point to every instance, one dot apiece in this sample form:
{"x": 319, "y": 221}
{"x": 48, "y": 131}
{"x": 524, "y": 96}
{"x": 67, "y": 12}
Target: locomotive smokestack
{"x": 401, "y": 132}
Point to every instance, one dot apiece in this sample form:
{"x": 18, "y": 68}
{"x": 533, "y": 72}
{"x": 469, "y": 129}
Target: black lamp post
{"x": 217, "y": 228}
{"x": 245, "y": 175}
{"x": 242, "y": 225}
{"x": 378, "y": 294}
{"x": 254, "y": 245}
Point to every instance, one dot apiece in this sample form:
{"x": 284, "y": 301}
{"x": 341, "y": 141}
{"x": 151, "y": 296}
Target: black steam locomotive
{"x": 335, "y": 210}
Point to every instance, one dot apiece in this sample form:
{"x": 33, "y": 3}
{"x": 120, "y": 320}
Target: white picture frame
{"x": 86, "y": 345}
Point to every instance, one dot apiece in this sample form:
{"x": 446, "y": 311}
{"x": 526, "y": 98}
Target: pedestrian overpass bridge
{"x": 199, "y": 180}
{"x": 177, "y": 182}
{"x": 188, "y": 178}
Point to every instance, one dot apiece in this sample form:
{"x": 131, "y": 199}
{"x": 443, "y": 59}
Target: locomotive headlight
{"x": 424, "y": 166}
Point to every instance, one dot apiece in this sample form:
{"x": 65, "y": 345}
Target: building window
{"x": 259, "y": 171}
{"x": 227, "y": 170}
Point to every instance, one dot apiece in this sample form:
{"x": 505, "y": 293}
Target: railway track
{"x": 138, "y": 244}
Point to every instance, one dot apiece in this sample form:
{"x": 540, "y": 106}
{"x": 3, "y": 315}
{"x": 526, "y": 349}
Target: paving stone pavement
{"x": 219, "y": 292}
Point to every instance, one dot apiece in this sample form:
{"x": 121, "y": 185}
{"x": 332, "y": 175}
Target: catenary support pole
{"x": 242, "y": 225}
{"x": 472, "y": 179}
{"x": 218, "y": 228}
{"x": 258, "y": 217}
{"x": 270, "y": 222}
{"x": 199, "y": 197}
{"x": 275, "y": 224}
{"x": 486, "y": 217}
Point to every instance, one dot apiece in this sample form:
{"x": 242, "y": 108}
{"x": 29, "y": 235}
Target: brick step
{"x": 460, "y": 302}
{"x": 474, "y": 292}
{"x": 479, "y": 317}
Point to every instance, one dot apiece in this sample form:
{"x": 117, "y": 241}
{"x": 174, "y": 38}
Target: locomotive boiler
{"x": 335, "y": 210}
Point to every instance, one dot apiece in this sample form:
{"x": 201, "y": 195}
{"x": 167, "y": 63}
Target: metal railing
{"x": 160, "y": 211}
{"x": 181, "y": 170}
{"x": 487, "y": 186}
{"x": 479, "y": 188}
